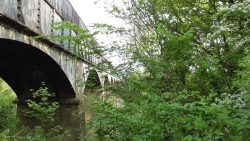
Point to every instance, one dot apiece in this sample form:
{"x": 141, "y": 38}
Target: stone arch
{"x": 93, "y": 82}
{"x": 106, "y": 80}
{"x": 24, "y": 66}
{"x": 113, "y": 80}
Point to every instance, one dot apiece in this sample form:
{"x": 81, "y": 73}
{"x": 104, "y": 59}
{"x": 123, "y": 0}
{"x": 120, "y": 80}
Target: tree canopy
{"x": 194, "y": 86}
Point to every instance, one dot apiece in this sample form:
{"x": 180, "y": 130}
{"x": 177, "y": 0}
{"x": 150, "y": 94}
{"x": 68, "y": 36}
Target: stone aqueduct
{"x": 25, "y": 63}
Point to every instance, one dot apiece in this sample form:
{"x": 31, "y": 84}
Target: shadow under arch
{"x": 25, "y": 67}
{"x": 93, "y": 83}
{"x": 106, "y": 81}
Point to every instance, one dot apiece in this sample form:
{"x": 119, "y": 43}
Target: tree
{"x": 193, "y": 86}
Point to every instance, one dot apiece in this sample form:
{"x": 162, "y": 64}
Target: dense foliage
{"x": 195, "y": 79}
{"x": 195, "y": 83}
{"x": 7, "y": 111}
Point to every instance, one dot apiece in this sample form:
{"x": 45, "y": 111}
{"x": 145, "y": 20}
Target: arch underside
{"x": 25, "y": 67}
{"x": 106, "y": 80}
{"x": 93, "y": 82}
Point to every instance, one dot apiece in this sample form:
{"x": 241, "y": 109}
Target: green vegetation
{"x": 43, "y": 111}
{"x": 40, "y": 107}
{"x": 7, "y": 111}
{"x": 195, "y": 80}
{"x": 195, "y": 83}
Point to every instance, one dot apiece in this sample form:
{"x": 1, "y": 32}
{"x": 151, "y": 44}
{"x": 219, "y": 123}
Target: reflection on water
{"x": 67, "y": 116}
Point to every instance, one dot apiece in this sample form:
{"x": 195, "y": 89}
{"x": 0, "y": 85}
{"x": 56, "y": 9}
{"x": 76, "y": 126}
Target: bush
{"x": 183, "y": 116}
{"x": 7, "y": 111}
{"x": 43, "y": 111}
{"x": 40, "y": 107}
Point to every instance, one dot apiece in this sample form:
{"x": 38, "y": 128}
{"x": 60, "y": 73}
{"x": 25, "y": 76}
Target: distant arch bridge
{"x": 25, "y": 63}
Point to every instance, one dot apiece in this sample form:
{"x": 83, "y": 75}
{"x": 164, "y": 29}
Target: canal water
{"x": 72, "y": 118}
{"x": 69, "y": 122}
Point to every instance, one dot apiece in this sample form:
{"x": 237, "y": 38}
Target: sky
{"x": 92, "y": 12}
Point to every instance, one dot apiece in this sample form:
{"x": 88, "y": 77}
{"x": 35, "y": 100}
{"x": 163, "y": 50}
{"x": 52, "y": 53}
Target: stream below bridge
{"x": 72, "y": 119}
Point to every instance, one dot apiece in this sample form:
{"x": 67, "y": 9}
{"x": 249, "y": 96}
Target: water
{"x": 70, "y": 117}
{"x": 73, "y": 119}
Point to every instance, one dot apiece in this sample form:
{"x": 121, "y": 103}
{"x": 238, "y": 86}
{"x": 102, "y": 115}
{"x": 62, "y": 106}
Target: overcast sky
{"x": 89, "y": 11}
{"x": 92, "y": 12}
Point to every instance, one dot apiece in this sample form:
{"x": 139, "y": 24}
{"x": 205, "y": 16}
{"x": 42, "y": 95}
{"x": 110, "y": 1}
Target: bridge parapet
{"x": 37, "y": 16}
